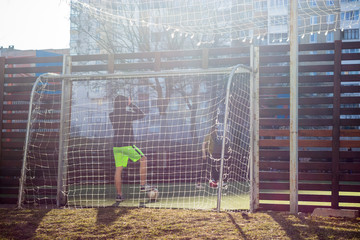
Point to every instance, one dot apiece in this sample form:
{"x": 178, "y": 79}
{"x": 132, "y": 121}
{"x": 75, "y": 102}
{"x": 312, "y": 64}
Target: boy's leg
{"x": 143, "y": 170}
{"x": 118, "y": 184}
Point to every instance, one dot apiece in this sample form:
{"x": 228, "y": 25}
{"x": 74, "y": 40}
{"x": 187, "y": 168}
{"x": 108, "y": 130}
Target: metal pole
{"x": 224, "y": 136}
{"x": 254, "y": 123}
{"x": 23, "y": 169}
{"x": 293, "y": 107}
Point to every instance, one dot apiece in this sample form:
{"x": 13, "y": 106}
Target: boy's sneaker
{"x": 119, "y": 198}
{"x": 146, "y": 188}
{"x": 199, "y": 186}
{"x": 213, "y": 183}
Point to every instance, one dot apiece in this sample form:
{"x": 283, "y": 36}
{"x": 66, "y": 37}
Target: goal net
{"x": 190, "y": 149}
{"x": 213, "y": 22}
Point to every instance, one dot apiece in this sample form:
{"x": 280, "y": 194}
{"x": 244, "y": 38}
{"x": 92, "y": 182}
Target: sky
{"x": 35, "y": 24}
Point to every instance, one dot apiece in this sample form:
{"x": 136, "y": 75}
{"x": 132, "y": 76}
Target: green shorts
{"x": 122, "y": 155}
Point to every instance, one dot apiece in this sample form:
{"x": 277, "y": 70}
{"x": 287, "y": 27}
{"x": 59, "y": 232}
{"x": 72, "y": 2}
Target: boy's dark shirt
{"x": 122, "y": 125}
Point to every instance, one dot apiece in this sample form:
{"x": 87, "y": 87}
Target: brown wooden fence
{"x": 329, "y": 120}
{"x": 329, "y": 114}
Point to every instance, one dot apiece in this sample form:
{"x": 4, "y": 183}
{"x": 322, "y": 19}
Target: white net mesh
{"x": 218, "y": 21}
{"x": 180, "y": 133}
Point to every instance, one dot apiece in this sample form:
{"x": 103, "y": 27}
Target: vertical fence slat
{"x": 2, "y": 83}
{"x": 336, "y": 126}
{"x": 254, "y": 205}
{"x": 205, "y": 58}
{"x": 294, "y": 104}
{"x": 111, "y": 58}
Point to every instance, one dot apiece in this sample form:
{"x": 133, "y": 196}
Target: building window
{"x": 279, "y": 3}
{"x": 330, "y": 37}
{"x": 330, "y": 18}
{"x": 260, "y": 6}
{"x": 313, "y": 3}
{"x": 278, "y": 20}
{"x": 350, "y": 15}
{"x": 313, "y": 20}
{"x": 277, "y": 38}
{"x": 350, "y": 34}
{"x": 313, "y": 38}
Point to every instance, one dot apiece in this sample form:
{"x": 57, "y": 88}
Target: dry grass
{"x": 143, "y": 223}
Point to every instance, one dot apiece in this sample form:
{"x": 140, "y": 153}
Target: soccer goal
{"x": 194, "y": 129}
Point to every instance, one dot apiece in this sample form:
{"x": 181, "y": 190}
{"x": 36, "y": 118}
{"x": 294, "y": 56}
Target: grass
{"x": 145, "y": 223}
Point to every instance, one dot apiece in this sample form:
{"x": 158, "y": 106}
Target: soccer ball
{"x": 213, "y": 184}
{"x": 153, "y": 194}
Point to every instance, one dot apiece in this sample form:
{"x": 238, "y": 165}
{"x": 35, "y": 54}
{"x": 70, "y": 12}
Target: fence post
{"x": 205, "y": 58}
{"x": 336, "y": 126}
{"x": 157, "y": 63}
{"x": 254, "y": 174}
{"x": 294, "y": 104}
{"x": 111, "y": 59}
{"x": 67, "y": 64}
{"x": 2, "y": 84}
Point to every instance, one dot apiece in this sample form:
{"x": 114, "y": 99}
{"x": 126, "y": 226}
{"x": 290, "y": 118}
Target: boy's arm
{"x": 112, "y": 118}
{"x": 137, "y": 112}
{"x": 204, "y": 149}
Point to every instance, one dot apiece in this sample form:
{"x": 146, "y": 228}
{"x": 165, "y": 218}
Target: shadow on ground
{"x": 21, "y": 223}
{"x": 109, "y": 215}
{"x": 304, "y": 226}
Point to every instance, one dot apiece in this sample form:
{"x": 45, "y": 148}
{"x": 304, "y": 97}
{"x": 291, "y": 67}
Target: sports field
{"x": 185, "y": 196}
{"x": 145, "y": 223}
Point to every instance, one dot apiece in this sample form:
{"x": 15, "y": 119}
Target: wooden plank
{"x": 88, "y": 58}
{"x": 302, "y": 90}
{"x": 350, "y": 78}
{"x": 27, "y": 60}
{"x": 304, "y": 101}
{"x": 349, "y": 199}
{"x": 276, "y": 207}
{"x": 274, "y": 196}
{"x": 10, "y": 164}
{"x": 274, "y": 185}
{"x": 302, "y": 143}
{"x": 302, "y": 133}
{"x": 314, "y": 198}
{"x": 350, "y": 122}
{"x": 316, "y": 46}
{"x": 17, "y": 97}
{"x": 182, "y": 64}
{"x": 308, "y": 166}
{"x": 349, "y": 166}
{"x": 350, "y": 45}
{"x": 269, "y": 80}
{"x": 350, "y": 144}
{"x": 274, "y": 49}
{"x": 350, "y": 111}
{"x": 302, "y": 122}
{"x": 350, "y": 89}
{"x": 349, "y": 188}
{"x": 354, "y": 177}
{"x": 47, "y": 69}
{"x": 350, "y": 67}
{"x": 2, "y": 84}
{"x": 89, "y": 68}
{"x": 14, "y": 134}
{"x": 223, "y": 62}
{"x": 302, "y": 58}
{"x": 350, "y": 155}
{"x": 23, "y": 80}
{"x": 216, "y": 52}
{"x": 315, "y": 176}
{"x": 349, "y": 100}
